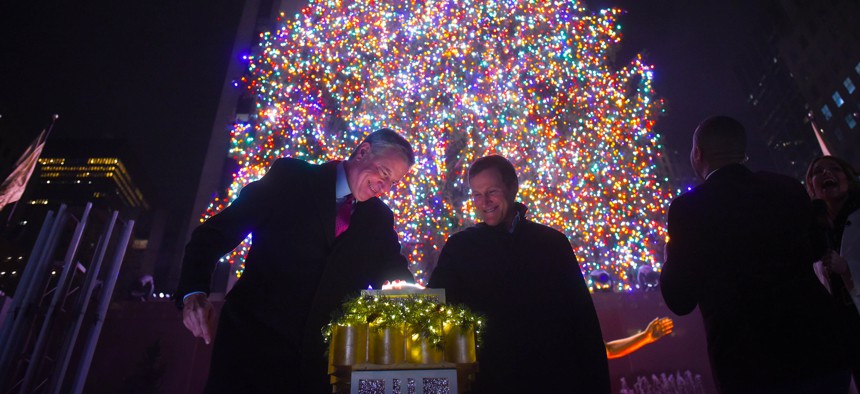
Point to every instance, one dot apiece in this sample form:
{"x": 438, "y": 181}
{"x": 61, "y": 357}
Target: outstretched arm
{"x": 220, "y": 234}
{"x": 655, "y": 330}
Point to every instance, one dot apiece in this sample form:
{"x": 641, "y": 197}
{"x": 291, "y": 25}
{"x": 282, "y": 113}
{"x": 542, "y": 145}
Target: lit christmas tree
{"x": 529, "y": 80}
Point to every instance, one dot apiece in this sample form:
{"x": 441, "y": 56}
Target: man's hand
{"x": 198, "y": 315}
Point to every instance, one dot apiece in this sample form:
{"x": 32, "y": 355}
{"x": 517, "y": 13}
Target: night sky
{"x": 150, "y": 72}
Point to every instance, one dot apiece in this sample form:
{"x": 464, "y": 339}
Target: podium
{"x": 403, "y": 342}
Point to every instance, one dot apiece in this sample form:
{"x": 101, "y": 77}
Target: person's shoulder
{"x": 687, "y": 195}
{"x": 468, "y": 234}
{"x": 290, "y": 163}
{"x": 680, "y": 206}
{"x": 538, "y": 228}
{"x": 377, "y": 203}
{"x": 546, "y": 232}
{"x": 716, "y": 184}
{"x": 781, "y": 182}
{"x": 290, "y": 168}
{"x": 774, "y": 177}
{"x": 379, "y": 208}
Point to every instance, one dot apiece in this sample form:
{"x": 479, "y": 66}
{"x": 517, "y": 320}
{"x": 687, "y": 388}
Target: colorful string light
{"x": 531, "y": 80}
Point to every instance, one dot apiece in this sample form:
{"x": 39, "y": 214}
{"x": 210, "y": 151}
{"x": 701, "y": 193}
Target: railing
{"x": 47, "y": 315}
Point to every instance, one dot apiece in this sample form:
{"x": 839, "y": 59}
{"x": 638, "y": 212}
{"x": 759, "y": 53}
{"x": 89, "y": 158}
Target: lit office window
{"x": 852, "y": 123}
{"x": 837, "y": 98}
{"x": 849, "y": 85}
{"x": 825, "y": 110}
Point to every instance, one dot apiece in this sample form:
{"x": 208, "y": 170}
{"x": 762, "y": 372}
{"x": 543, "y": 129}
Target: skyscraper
{"x": 805, "y": 58}
{"x": 75, "y": 173}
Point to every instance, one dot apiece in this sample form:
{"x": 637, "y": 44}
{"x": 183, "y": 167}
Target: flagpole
{"x": 818, "y": 135}
{"x": 44, "y": 138}
{"x": 50, "y": 127}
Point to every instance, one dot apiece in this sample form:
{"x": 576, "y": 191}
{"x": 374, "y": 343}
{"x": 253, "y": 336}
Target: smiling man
{"x": 320, "y": 232}
{"x": 542, "y": 332}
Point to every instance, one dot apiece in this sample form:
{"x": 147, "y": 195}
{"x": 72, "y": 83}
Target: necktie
{"x": 341, "y": 222}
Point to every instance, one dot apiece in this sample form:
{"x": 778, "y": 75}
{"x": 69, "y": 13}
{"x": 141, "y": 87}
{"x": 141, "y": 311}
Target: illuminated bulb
{"x": 574, "y": 173}
{"x": 601, "y": 280}
{"x": 647, "y": 277}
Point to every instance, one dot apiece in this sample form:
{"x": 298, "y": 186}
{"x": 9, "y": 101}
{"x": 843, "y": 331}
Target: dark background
{"x": 147, "y": 72}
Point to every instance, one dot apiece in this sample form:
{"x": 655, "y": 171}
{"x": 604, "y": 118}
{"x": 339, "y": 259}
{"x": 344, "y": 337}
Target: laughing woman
{"x": 835, "y": 182}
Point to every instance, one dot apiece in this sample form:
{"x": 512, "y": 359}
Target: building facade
{"x": 801, "y": 69}
{"x": 74, "y": 173}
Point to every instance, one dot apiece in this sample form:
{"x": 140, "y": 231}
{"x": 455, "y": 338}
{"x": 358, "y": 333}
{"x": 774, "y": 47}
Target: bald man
{"x": 741, "y": 250}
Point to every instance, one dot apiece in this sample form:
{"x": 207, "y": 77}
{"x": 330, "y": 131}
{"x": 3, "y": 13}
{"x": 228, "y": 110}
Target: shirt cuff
{"x": 180, "y": 302}
{"x": 192, "y": 293}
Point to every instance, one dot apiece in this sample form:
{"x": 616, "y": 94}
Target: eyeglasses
{"x": 385, "y": 174}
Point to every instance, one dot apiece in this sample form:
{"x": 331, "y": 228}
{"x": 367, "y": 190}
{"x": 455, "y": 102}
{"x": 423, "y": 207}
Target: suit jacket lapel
{"x": 324, "y": 189}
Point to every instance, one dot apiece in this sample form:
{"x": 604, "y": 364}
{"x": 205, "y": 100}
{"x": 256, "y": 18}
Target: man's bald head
{"x": 717, "y": 142}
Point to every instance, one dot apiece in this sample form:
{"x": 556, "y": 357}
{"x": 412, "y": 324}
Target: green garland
{"x": 421, "y": 315}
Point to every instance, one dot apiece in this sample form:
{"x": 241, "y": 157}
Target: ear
{"x": 697, "y": 153}
{"x": 362, "y": 152}
{"x": 512, "y": 194}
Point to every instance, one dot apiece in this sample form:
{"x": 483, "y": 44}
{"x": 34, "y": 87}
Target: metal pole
{"x": 28, "y": 297}
{"x": 80, "y": 309}
{"x": 68, "y": 271}
{"x": 26, "y": 276}
{"x": 11, "y": 212}
{"x": 818, "y": 135}
{"x": 104, "y": 302}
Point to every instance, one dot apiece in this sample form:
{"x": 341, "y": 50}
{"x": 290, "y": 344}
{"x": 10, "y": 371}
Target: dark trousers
{"x": 249, "y": 357}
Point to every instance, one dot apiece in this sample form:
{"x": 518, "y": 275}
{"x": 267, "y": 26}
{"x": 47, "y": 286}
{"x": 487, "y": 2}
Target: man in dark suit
{"x": 741, "y": 248}
{"x": 542, "y": 334}
{"x": 301, "y": 265}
